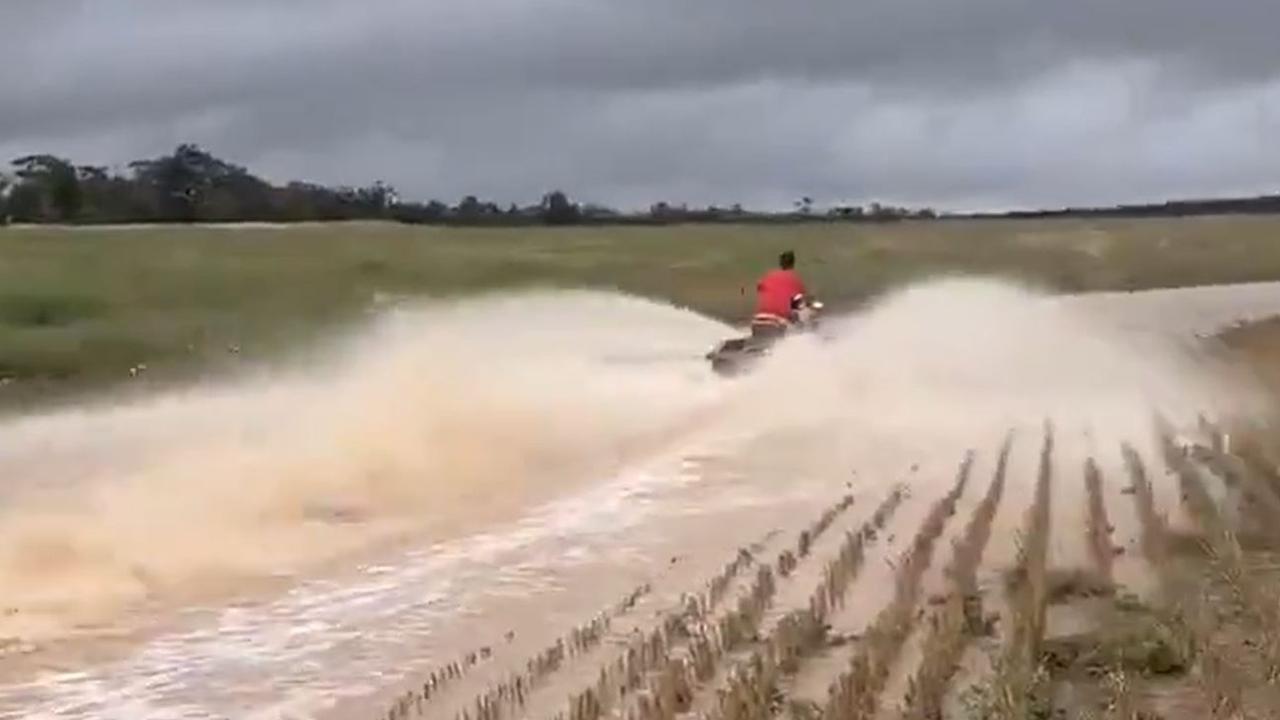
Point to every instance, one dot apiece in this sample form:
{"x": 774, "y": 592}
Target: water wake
{"x": 435, "y": 421}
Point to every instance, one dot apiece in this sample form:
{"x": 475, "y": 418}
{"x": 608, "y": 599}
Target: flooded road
{"x": 576, "y": 471}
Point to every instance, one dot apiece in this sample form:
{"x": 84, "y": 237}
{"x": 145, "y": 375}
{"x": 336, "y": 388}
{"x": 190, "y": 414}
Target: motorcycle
{"x": 737, "y": 355}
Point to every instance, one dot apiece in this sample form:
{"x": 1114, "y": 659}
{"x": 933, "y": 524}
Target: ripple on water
{"x": 326, "y": 640}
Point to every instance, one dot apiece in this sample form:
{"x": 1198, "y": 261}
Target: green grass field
{"x": 80, "y": 307}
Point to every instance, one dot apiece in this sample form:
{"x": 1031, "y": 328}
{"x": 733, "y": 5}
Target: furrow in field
{"x": 961, "y": 617}
{"x": 582, "y": 639}
{"x": 1018, "y": 685}
{"x": 1069, "y": 551}
{"x": 511, "y": 683}
{"x": 1250, "y": 597}
{"x": 723, "y": 613}
{"x": 1184, "y": 608}
{"x": 1253, "y": 503}
{"x": 848, "y": 616}
{"x": 936, "y": 586}
{"x": 684, "y": 681}
{"x": 748, "y": 685}
{"x": 1098, "y": 529}
{"x": 974, "y": 675}
{"x": 1096, "y": 630}
{"x": 1155, "y": 529}
{"x": 696, "y": 639}
{"x": 1131, "y": 572}
{"x": 856, "y": 692}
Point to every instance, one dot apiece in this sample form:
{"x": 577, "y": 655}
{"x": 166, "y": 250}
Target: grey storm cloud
{"x": 984, "y": 103}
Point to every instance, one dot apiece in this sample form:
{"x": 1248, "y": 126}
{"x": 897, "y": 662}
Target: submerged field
{"x": 87, "y": 308}
{"x": 969, "y": 500}
{"x": 1038, "y": 583}
{"x": 1079, "y": 569}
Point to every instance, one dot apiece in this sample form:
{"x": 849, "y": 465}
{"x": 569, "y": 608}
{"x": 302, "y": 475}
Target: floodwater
{"x": 483, "y": 476}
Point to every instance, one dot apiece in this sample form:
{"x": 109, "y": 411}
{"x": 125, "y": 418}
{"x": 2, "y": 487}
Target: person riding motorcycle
{"x": 777, "y": 295}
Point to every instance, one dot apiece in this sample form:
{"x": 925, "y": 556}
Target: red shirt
{"x": 775, "y": 290}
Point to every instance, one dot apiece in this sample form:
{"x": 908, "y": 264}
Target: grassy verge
{"x": 80, "y": 308}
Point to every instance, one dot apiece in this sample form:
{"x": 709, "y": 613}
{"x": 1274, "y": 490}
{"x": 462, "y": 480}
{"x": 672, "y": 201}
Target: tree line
{"x": 192, "y": 185}
{"x": 1257, "y": 205}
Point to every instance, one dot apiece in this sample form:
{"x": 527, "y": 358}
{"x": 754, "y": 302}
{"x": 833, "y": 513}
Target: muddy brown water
{"x": 593, "y": 489}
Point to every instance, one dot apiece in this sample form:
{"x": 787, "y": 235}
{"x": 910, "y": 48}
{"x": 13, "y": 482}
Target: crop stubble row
{"x": 726, "y": 653}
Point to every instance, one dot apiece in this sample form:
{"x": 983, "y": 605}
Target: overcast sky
{"x": 955, "y": 103}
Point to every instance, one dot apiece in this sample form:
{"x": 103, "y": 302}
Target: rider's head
{"x": 787, "y": 260}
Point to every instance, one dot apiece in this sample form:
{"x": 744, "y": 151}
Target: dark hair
{"x": 787, "y": 260}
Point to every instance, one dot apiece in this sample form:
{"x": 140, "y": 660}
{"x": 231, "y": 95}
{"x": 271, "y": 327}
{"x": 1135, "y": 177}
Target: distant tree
{"x": 26, "y": 204}
{"x": 106, "y": 197}
{"x": 596, "y": 210}
{"x": 6, "y": 187}
{"x": 375, "y": 200}
{"x": 174, "y": 182}
{"x": 804, "y": 205}
{"x": 847, "y": 212}
{"x": 53, "y": 186}
{"x": 64, "y": 191}
{"x": 558, "y": 210}
{"x": 436, "y": 210}
{"x": 91, "y": 173}
{"x": 191, "y": 184}
{"x": 469, "y": 208}
{"x": 238, "y": 196}
{"x": 304, "y": 201}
